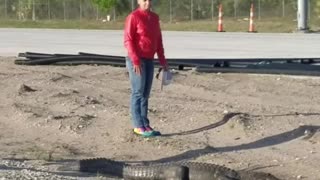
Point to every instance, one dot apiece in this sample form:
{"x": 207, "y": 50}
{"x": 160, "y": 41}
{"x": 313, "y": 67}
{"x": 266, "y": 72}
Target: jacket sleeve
{"x": 160, "y": 50}
{"x": 129, "y": 38}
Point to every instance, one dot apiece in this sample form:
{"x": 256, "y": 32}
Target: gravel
{"x": 35, "y": 170}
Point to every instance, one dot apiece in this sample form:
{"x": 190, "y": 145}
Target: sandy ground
{"x": 267, "y": 123}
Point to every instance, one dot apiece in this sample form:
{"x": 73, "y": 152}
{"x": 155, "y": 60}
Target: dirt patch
{"x": 266, "y": 123}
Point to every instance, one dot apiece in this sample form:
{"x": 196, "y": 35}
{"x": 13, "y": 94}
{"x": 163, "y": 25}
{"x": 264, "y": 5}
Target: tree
{"x": 317, "y": 8}
{"x": 121, "y": 6}
{"x": 25, "y": 8}
{"x": 105, "y": 4}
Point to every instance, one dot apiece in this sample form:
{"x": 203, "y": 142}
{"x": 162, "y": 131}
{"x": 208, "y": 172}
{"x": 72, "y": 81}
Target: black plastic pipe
{"x": 258, "y": 71}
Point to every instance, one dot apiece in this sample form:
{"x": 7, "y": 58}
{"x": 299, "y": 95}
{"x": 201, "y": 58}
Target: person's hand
{"x": 137, "y": 69}
{"x": 165, "y": 67}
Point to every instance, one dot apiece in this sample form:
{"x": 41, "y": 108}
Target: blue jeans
{"x": 140, "y": 91}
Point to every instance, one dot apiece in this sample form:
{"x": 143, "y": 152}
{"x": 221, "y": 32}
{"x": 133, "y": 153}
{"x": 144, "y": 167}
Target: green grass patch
{"x": 60, "y": 24}
{"x": 279, "y": 25}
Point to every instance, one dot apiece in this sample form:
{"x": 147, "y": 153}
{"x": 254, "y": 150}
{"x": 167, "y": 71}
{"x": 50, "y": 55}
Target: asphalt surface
{"x": 177, "y": 44}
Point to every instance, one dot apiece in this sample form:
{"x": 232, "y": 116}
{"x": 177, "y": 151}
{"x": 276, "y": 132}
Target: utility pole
{"x": 302, "y": 15}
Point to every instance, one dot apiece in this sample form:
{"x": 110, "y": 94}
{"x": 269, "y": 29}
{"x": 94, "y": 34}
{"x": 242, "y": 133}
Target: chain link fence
{"x": 189, "y": 10}
{"x": 169, "y": 10}
{"x": 48, "y": 9}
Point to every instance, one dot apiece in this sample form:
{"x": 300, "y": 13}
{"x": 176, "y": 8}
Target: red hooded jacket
{"x": 142, "y": 36}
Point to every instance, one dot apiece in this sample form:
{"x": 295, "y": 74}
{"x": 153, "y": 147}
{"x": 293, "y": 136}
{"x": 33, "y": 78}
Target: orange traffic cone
{"x": 251, "y": 25}
{"x": 220, "y": 24}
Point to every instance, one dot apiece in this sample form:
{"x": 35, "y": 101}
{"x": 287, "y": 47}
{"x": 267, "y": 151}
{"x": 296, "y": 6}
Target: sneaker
{"x": 151, "y": 130}
{"x": 142, "y": 132}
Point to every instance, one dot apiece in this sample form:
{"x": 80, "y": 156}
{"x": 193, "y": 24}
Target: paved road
{"x": 177, "y": 44}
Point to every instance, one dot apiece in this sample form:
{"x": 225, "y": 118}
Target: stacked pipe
{"x": 69, "y": 59}
{"x": 290, "y": 66}
{"x": 32, "y": 58}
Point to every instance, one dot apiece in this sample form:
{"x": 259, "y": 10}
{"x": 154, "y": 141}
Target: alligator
{"x": 180, "y": 170}
{"x": 192, "y": 170}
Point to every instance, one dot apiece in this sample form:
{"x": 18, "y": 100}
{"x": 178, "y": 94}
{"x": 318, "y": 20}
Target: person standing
{"x": 142, "y": 39}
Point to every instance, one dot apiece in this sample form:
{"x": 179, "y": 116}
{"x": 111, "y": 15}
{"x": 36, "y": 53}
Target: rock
{"x": 24, "y": 88}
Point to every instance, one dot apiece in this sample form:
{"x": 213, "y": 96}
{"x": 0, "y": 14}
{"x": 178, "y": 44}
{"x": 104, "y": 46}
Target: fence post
{"x": 235, "y": 8}
{"x": 132, "y": 5}
{"x": 33, "y": 11}
{"x": 80, "y": 4}
{"x": 212, "y": 10}
{"x": 309, "y": 11}
{"x": 64, "y": 10}
{"x": 97, "y": 17}
{"x": 259, "y": 11}
{"x": 19, "y": 9}
{"x": 191, "y": 10}
{"x": 170, "y": 10}
{"x": 49, "y": 10}
{"x": 5, "y": 9}
{"x": 283, "y": 8}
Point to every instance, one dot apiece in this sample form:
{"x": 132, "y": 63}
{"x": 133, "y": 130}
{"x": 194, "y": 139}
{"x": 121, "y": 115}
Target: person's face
{"x": 145, "y": 4}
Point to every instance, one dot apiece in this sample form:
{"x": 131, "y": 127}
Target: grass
{"x": 232, "y": 25}
{"x": 60, "y": 24}
{"x": 278, "y": 25}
